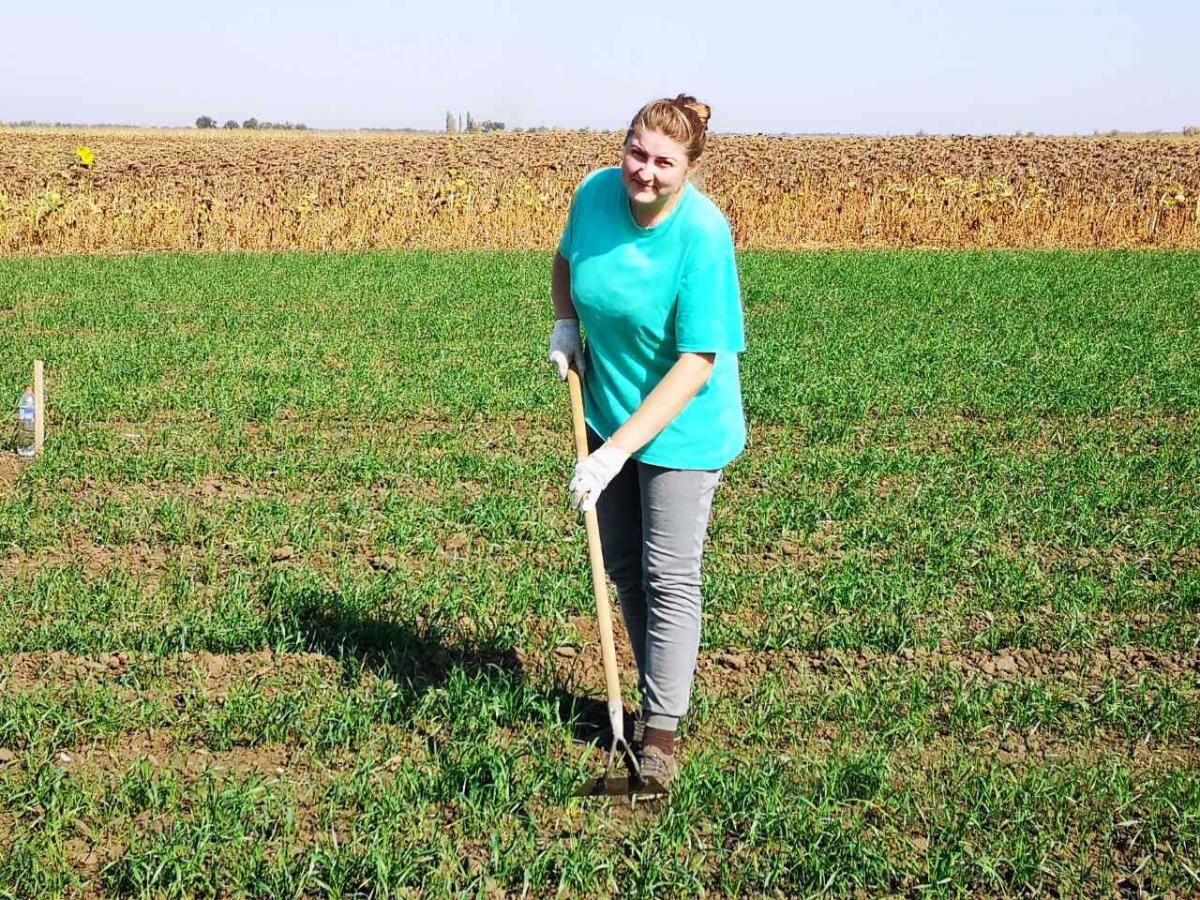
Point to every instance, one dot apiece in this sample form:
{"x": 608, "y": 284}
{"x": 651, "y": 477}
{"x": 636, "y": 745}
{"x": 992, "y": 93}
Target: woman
{"x": 646, "y": 263}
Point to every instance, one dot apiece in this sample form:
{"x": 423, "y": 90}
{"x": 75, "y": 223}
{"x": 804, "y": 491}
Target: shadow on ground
{"x": 418, "y": 656}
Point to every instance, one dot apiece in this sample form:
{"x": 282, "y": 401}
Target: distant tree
{"x": 250, "y": 123}
{"x": 206, "y": 122}
{"x": 460, "y": 122}
{"x": 231, "y": 124}
{"x": 1191, "y": 130}
{"x": 450, "y": 126}
{"x": 470, "y": 121}
{"x": 489, "y": 125}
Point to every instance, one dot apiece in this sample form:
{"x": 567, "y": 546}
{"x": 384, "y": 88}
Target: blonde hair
{"x": 683, "y": 119}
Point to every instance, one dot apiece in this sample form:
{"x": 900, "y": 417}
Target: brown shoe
{"x": 658, "y": 771}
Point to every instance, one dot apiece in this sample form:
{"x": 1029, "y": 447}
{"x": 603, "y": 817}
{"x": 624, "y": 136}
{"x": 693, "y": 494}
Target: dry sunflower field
{"x": 293, "y": 605}
{"x": 215, "y": 190}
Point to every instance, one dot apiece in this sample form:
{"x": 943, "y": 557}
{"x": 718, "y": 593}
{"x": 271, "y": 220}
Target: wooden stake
{"x": 39, "y": 404}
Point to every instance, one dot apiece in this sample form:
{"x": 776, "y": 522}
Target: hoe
{"x": 632, "y": 784}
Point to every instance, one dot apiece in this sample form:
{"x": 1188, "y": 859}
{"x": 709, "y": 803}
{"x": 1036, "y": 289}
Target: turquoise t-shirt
{"x": 645, "y": 295}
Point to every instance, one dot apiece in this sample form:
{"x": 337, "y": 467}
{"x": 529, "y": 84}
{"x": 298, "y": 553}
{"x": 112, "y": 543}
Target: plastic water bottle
{"x": 26, "y": 419}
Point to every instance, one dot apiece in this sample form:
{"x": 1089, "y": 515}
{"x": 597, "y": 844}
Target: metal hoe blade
{"x": 631, "y": 785}
{"x": 622, "y": 786}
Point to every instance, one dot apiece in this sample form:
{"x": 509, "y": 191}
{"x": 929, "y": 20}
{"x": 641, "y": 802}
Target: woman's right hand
{"x": 566, "y": 349}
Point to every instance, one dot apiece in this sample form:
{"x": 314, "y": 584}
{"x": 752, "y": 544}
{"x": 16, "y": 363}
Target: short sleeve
{"x": 566, "y": 242}
{"x": 708, "y": 315}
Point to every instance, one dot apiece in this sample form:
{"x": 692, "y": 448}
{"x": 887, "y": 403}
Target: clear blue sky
{"x": 860, "y": 66}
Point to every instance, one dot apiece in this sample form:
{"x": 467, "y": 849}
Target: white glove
{"x": 565, "y": 347}
{"x": 593, "y": 474}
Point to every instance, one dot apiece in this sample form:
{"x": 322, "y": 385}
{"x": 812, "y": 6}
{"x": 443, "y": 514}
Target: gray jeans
{"x": 653, "y": 522}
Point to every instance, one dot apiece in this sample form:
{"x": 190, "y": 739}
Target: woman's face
{"x": 654, "y": 167}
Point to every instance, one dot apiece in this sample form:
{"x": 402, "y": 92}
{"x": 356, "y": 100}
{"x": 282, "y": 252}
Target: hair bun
{"x": 700, "y": 110}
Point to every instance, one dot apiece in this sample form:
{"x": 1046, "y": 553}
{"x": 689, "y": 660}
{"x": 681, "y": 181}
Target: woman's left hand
{"x": 566, "y": 350}
{"x": 593, "y": 474}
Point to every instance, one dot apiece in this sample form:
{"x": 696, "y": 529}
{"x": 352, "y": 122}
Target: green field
{"x": 294, "y": 603}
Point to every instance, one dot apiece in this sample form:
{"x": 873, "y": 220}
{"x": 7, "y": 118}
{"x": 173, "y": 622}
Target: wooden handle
{"x": 577, "y": 420}
{"x": 608, "y": 650}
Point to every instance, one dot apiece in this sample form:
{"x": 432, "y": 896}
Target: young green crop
{"x": 294, "y": 603}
